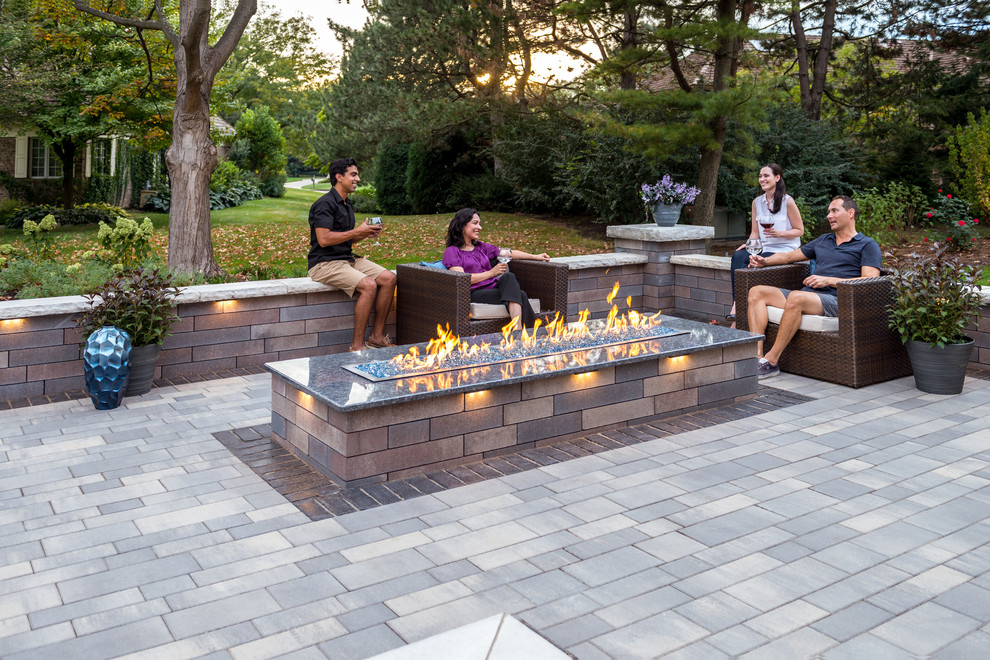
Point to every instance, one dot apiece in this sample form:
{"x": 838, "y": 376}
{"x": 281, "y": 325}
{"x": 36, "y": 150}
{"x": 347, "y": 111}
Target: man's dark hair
{"x": 340, "y": 166}
{"x": 847, "y": 203}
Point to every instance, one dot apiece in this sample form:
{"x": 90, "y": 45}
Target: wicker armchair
{"x": 427, "y": 297}
{"x": 863, "y": 351}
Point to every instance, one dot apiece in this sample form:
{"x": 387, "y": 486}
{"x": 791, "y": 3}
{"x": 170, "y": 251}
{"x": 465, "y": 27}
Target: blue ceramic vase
{"x": 106, "y": 359}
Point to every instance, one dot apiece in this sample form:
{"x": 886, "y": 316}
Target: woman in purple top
{"x": 489, "y": 283}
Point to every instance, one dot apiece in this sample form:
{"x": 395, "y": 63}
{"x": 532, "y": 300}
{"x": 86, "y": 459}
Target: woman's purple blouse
{"x": 473, "y": 261}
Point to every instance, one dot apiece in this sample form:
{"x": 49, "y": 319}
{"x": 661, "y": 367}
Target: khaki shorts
{"x": 344, "y": 275}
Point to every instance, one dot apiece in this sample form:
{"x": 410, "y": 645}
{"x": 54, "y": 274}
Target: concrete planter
{"x": 939, "y": 370}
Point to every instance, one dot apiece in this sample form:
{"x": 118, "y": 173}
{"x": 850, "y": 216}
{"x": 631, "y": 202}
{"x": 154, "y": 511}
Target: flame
{"x": 556, "y": 333}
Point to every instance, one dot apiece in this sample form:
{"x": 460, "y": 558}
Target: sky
{"x": 351, "y": 14}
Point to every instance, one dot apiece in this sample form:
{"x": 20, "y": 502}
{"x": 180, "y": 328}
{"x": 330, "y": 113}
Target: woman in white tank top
{"x": 785, "y": 233}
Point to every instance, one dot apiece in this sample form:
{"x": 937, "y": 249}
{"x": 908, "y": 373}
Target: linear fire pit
{"x": 357, "y": 430}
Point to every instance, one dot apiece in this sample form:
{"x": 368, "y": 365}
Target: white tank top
{"x": 780, "y": 223}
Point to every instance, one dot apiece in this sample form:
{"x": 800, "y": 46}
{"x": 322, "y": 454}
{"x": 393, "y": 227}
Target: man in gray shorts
{"x": 332, "y": 261}
{"x": 844, "y": 254}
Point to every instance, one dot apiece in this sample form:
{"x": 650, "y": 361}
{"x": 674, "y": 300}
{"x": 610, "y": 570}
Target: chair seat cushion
{"x": 809, "y": 322}
{"x": 486, "y": 311}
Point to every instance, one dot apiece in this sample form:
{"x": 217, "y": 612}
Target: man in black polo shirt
{"x": 331, "y": 260}
{"x": 844, "y": 254}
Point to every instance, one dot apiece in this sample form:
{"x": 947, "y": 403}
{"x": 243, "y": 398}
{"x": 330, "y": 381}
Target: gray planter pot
{"x": 144, "y": 359}
{"x": 666, "y": 215}
{"x": 939, "y": 370}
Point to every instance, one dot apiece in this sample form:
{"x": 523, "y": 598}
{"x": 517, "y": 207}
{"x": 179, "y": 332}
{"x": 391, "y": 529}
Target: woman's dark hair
{"x": 455, "y": 230}
{"x": 780, "y": 190}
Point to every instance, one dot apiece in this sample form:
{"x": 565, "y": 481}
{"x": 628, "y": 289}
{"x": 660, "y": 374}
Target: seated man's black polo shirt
{"x": 843, "y": 261}
{"x": 336, "y": 214}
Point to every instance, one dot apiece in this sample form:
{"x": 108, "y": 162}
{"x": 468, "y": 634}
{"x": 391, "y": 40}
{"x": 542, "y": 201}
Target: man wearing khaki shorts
{"x": 331, "y": 260}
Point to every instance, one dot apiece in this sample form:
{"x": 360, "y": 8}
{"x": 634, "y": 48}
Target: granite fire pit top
{"x": 325, "y": 378}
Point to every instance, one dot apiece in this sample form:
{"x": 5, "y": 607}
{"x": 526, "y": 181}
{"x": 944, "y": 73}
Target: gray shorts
{"x": 830, "y": 304}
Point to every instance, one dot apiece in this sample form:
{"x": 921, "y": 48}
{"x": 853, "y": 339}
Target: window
{"x": 101, "y": 157}
{"x": 44, "y": 163}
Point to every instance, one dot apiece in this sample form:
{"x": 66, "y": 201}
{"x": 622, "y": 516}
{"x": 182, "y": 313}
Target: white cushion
{"x": 486, "y": 311}
{"x": 809, "y": 322}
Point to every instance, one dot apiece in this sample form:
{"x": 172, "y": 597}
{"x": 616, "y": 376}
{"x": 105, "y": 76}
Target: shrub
{"x": 127, "y": 242}
{"x": 6, "y": 250}
{"x": 969, "y": 154}
{"x": 426, "y": 187}
{"x": 24, "y": 278}
{"x": 885, "y": 215}
{"x": 161, "y": 201}
{"x": 39, "y": 236}
{"x": 8, "y": 208}
{"x": 484, "y": 191}
{"x": 273, "y": 186}
{"x": 229, "y": 186}
{"x": 934, "y": 298}
{"x": 225, "y": 175}
{"x": 139, "y": 302}
{"x": 260, "y": 272}
{"x": 364, "y": 199}
{"x": 260, "y": 148}
{"x": 87, "y": 214}
{"x": 390, "y": 179}
{"x": 952, "y": 222}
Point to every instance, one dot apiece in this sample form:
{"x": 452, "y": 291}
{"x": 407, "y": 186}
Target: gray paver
{"x": 651, "y": 637}
{"x": 851, "y": 621}
{"x": 362, "y": 644}
{"x": 862, "y": 535}
{"x": 925, "y": 629}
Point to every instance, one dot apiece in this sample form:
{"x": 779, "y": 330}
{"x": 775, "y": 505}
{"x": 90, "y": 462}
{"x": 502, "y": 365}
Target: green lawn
{"x": 274, "y": 233}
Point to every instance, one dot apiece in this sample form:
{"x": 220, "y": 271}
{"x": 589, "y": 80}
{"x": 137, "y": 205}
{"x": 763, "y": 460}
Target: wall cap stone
{"x": 609, "y": 260}
{"x": 19, "y": 309}
{"x": 702, "y": 261}
{"x": 657, "y": 234}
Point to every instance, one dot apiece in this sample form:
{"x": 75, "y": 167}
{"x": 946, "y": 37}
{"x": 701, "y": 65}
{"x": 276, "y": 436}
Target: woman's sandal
{"x": 730, "y": 317}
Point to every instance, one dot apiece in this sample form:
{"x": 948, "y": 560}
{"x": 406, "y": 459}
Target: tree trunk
{"x": 813, "y": 107}
{"x": 192, "y": 157}
{"x": 191, "y": 160}
{"x": 711, "y": 155}
{"x": 627, "y": 80}
{"x": 801, "y": 46}
{"x": 812, "y": 84}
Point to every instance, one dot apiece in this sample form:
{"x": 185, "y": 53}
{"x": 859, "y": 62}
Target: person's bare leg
{"x": 759, "y": 298}
{"x": 515, "y": 311}
{"x": 365, "y": 291}
{"x": 798, "y": 303}
{"x": 385, "y": 282}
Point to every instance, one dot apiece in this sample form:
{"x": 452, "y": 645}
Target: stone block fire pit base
{"x": 355, "y": 434}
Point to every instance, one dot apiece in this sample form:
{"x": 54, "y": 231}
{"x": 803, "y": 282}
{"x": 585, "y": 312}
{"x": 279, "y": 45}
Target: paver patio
{"x": 852, "y": 525}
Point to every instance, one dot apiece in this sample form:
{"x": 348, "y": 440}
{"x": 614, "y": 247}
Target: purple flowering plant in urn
{"x": 665, "y": 198}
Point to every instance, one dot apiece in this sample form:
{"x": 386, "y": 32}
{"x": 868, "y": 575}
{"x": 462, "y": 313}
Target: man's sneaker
{"x": 766, "y": 370}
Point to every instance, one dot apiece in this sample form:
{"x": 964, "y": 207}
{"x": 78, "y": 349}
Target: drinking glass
{"x": 504, "y": 255}
{"x": 765, "y": 221}
{"x": 754, "y": 246}
{"x": 375, "y": 221}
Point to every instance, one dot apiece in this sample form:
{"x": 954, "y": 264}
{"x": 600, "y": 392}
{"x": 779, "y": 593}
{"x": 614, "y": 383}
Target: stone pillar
{"x": 659, "y": 244}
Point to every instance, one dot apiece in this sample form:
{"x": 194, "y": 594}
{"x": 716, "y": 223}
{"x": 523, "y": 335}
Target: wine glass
{"x": 754, "y": 246}
{"x": 765, "y": 221}
{"x": 373, "y": 222}
{"x": 504, "y": 255}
